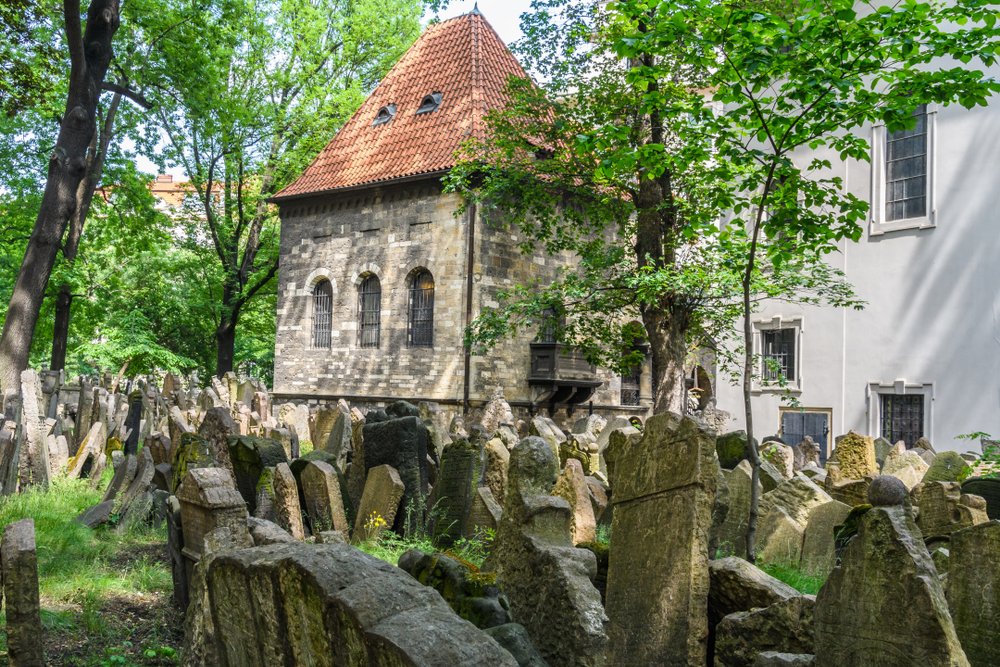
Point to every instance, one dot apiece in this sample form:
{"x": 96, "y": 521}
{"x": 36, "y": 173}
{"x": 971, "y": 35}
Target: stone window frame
{"x": 899, "y": 387}
{"x": 411, "y": 276}
{"x": 793, "y": 385}
{"x": 878, "y": 225}
{"x": 366, "y": 273}
{"x": 309, "y": 285}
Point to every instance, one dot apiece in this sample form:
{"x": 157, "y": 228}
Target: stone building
{"x": 381, "y": 271}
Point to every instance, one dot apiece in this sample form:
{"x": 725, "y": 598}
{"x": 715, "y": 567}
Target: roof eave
{"x": 368, "y": 185}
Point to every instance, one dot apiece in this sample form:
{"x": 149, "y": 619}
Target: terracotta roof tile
{"x": 466, "y": 61}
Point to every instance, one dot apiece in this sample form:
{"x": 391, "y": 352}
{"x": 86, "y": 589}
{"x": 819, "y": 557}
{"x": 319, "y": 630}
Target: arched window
{"x": 369, "y": 311}
{"x": 421, "y": 311}
{"x": 322, "y": 320}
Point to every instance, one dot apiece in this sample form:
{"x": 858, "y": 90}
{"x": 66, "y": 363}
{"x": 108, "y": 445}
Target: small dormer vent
{"x": 430, "y": 102}
{"x": 384, "y": 115}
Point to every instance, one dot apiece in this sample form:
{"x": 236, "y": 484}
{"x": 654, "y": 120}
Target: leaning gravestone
{"x": 989, "y": 489}
{"x": 974, "y": 591}
{"x": 461, "y": 470}
{"x": 379, "y": 503}
{"x": 883, "y": 605}
{"x": 730, "y": 534}
{"x": 731, "y": 448}
{"x": 324, "y": 504}
{"x": 288, "y": 513}
{"x": 19, "y": 564}
{"x": 401, "y": 443}
{"x": 35, "y": 450}
{"x": 572, "y": 487}
{"x": 664, "y": 485}
{"x": 818, "y": 548}
{"x": 856, "y": 456}
{"x": 947, "y": 467}
{"x": 248, "y": 457}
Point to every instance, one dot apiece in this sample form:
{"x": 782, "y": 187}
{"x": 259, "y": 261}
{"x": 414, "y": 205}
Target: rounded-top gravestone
{"x": 887, "y": 491}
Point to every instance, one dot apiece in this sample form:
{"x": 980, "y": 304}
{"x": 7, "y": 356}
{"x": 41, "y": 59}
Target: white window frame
{"x": 899, "y": 388}
{"x": 878, "y": 225}
{"x": 794, "y": 385}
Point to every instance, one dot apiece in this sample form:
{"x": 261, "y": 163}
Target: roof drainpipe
{"x": 470, "y": 256}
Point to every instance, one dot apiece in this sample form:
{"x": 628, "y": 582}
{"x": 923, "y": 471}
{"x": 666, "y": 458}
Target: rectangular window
{"x": 778, "y": 355}
{"x": 906, "y": 170}
{"x": 630, "y": 386}
{"x": 902, "y": 417}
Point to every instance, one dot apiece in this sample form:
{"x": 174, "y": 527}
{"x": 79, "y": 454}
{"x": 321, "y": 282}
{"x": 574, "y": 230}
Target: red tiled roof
{"x": 462, "y": 58}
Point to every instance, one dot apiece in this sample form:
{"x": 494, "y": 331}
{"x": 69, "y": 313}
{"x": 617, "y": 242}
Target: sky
{"x": 503, "y": 15}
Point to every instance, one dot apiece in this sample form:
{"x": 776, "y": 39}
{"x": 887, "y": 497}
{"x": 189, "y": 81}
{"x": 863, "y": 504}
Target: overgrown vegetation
{"x": 801, "y": 581}
{"x": 105, "y": 593}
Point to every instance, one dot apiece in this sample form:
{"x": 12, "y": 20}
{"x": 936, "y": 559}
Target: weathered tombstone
{"x": 807, "y": 453}
{"x": 883, "y": 605}
{"x": 123, "y": 476}
{"x": 84, "y": 412}
{"x": 324, "y": 504}
{"x": 496, "y": 412}
{"x": 288, "y": 513}
{"x": 818, "y": 550}
{"x": 731, "y": 448}
{"x": 34, "y": 465}
{"x": 974, "y": 591}
{"x": 547, "y": 430}
{"x": 547, "y": 581}
{"x": 9, "y": 457}
{"x": 855, "y": 454}
{"x": 190, "y": 452}
{"x": 784, "y": 516}
{"x": 461, "y": 470}
{"x": 988, "y": 489}
{"x": 58, "y": 452}
{"x": 133, "y": 421}
{"x": 947, "y": 467}
{"x": 379, "y": 504}
{"x": 572, "y": 487}
{"x": 495, "y": 475}
{"x": 945, "y": 509}
{"x": 19, "y": 565}
{"x": 485, "y": 513}
{"x": 208, "y": 500}
{"x": 217, "y": 427}
{"x": 401, "y": 443}
{"x": 248, "y": 457}
{"x": 784, "y": 626}
{"x": 882, "y": 449}
{"x": 664, "y": 485}
{"x": 781, "y": 456}
{"x": 87, "y": 462}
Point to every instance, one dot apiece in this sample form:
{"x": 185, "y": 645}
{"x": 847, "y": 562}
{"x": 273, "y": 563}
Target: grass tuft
{"x": 794, "y": 577}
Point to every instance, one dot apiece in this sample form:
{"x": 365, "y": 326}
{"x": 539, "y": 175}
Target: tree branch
{"x": 133, "y": 95}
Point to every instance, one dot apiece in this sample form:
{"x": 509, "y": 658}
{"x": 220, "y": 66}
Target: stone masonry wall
{"x": 391, "y": 232}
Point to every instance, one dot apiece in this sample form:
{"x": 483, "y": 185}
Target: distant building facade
{"x": 923, "y": 357}
{"x": 379, "y": 274}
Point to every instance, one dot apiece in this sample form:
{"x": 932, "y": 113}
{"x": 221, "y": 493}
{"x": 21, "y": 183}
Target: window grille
{"x": 369, "y": 312}
{"x": 630, "y": 386}
{"x": 322, "y": 314}
{"x": 421, "y": 311}
{"x": 906, "y": 170}
{"x": 902, "y": 417}
{"x": 778, "y": 358}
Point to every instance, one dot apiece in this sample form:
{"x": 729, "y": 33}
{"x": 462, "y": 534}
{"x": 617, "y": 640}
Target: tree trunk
{"x": 668, "y": 347}
{"x": 752, "y": 453}
{"x": 90, "y": 54}
{"x": 225, "y": 347}
{"x": 84, "y": 198}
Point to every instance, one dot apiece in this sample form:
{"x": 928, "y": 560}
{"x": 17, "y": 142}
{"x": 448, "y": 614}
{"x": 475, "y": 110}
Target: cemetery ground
{"x": 106, "y": 592}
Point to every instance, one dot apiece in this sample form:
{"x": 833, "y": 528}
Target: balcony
{"x": 561, "y": 375}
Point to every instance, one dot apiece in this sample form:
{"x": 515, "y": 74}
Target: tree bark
{"x": 90, "y": 55}
{"x": 84, "y": 198}
{"x": 225, "y": 346}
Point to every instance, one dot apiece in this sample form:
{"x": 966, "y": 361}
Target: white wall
{"x": 933, "y": 301}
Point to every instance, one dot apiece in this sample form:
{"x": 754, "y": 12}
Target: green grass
{"x": 794, "y": 577}
{"x": 389, "y": 547}
{"x": 104, "y": 592}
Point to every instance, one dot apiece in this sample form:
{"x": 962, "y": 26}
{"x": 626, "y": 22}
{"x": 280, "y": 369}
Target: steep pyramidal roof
{"x": 465, "y": 61}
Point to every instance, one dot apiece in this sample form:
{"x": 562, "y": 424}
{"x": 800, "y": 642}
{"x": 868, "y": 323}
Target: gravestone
{"x": 781, "y": 456}
{"x": 217, "y": 428}
{"x": 324, "y": 504}
{"x": 883, "y": 605}
{"x": 989, "y": 490}
{"x": 730, "y": 535}
{"x": 287, "y": 511}
{"x": 383, "y": 492}
{"x": 248, "y": 457}
{"x": 401, "y": 443}
{"x": 133, "y": 421}
{"x": 818, "y": 549}
{"x": 547, "y": 430}
{"x": 547, "y": 581}
{"x": 461, "y": 469}
{"x": 974, "y": 591}
{"x": 784, "y": 516}
{"x": 945, "y": 509}
{"x": 663, "y": 488}
{"x": 191, "y": 452}
{"x": 19, "y": 566}
{"x": 855, "y": 454}
{"x": 485, "y": 513}
{"x": 947, "y": 467}
{"x": 572, "y": 487}
{"x": 807, "y": 454}
{"x": 784, "y": 626}
{"x": 34, "y": 464}
{"x": 9, "y": 457}
{"x": 495, "y": 475}
{"x": 731, "y": 448}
